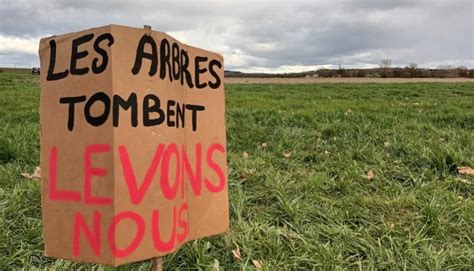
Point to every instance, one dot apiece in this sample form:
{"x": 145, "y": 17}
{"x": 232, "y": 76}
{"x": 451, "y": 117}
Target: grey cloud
{"x": 424, "y": 31}
{"x": 19, "y": 60}
{"x": 272, "y": 33}
{"x": 33, "y": 18}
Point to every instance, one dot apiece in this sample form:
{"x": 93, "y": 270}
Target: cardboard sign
{"x": 133, "y": 155}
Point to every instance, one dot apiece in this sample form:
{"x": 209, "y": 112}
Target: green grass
{"x": 15, "y": 70}
{"x": 314, "y": 209}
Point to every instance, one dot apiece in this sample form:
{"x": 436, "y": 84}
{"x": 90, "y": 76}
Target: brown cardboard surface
{"x": 108, "y": 219}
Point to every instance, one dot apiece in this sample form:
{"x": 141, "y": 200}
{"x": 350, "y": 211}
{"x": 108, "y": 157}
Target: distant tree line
{"x": 384, "y": 71}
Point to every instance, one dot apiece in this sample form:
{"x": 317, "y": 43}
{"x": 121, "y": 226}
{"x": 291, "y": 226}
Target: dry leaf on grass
{"x": 287, "y": 154}
{"x": 466, "y": 170}
{"x": 244, "y": 174}
{"x": 462, "y": 180}
{"x": 370, "y": 175}
{"x": 245, "y": 155}
{"x": 216, "y": 265}
{"x": 327, "y": 152}
{"x": 35, "y": 175}
{"x": 257, "y": 264}
{"x": 236, "y": 253}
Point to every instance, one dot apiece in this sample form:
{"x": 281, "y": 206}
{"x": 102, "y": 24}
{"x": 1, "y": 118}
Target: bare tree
{"x": 412, "y": 69}
{"x": 385, "y": 66}
{"x": 445, "y": 67}
{"x": 386, "y": 63}
{"x": 462, "y": 71}
{"x": 446, "y": 71}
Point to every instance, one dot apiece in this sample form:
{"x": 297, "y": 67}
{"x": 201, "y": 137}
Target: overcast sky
{"x": 269, "y": 36}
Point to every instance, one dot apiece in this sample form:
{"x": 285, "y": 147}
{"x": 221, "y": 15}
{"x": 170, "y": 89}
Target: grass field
{"x": 302, "y": 200}
{"x": 302, "y": 80}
